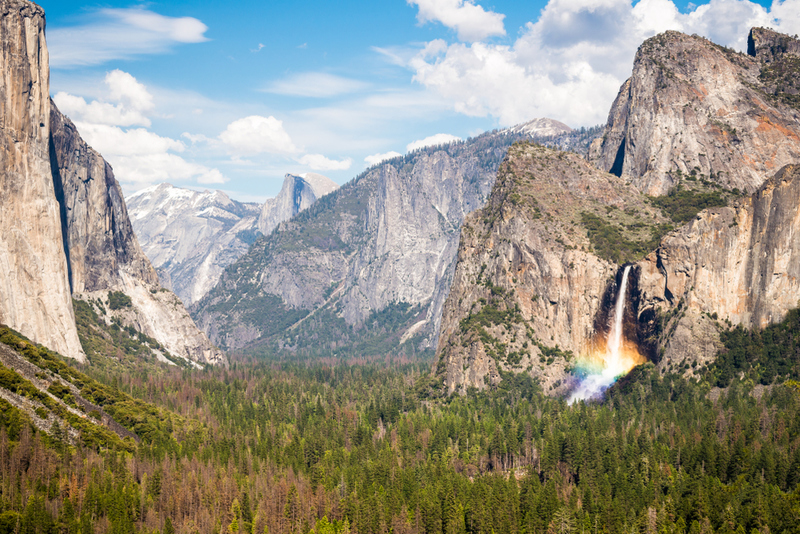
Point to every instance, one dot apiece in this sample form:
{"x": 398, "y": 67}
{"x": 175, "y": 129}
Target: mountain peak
{"x": 542, "y": 127}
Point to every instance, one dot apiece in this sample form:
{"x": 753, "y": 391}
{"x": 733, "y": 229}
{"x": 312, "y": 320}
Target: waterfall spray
{"x": 616, "y": 361}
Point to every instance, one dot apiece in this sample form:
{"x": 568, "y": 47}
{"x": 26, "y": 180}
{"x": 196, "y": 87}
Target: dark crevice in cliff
{"x": 616, "y": 169}
{"x": 642, "y": 322}
{"x": 58, "y": 186}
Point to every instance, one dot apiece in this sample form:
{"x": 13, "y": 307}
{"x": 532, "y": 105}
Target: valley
{"x": 534, "y": 329}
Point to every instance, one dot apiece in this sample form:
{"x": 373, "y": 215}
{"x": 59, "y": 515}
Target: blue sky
{"x": 233, "y": 95}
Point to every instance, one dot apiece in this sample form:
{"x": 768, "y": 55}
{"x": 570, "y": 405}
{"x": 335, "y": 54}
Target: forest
{"x": 365, "y": 447}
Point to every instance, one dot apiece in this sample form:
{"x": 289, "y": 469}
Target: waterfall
{"x": 615, "y": 362}
{"x": 613, "y": 357}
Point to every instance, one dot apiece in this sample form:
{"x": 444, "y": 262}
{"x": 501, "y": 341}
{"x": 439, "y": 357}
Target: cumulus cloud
{"x": 470, "y": 21}
{"x": 315, "y": 85}
{"x": 256, "y": 135}
{"x": 570, "y": 63}
{"x": 141, "y": 158}
{"x": 110, "y": 34}
{"x": 129, "y": 103}
{"x": 377, "y": 158}
{"x": 438, "y": 139}
{"x": 318, "y": 162}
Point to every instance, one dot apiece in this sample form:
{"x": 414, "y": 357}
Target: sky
{"x": 234, "y": 95}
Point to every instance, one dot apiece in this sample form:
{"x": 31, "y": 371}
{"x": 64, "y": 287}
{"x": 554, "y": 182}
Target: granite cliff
{"x": 34, "y": 284}
{"x": 103, "y": 253}
{"x": 529, "y": 282}
{"x": 702, "y": 129}
{"x": 691, "y": 106}
{"x": 367, "y": 267}
{"x": 191, "y": 236}
{"x": 297, "y": 193}
{"x": 64, "y": 228}
{"x": 737, "y": 265}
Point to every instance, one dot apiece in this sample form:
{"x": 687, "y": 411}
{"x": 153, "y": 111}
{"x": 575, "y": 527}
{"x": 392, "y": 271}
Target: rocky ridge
{"x": 191, "y": 236}
{"x": 34, "y": 284}
{"x": 528, "y": 283}
{"x": 103, "y": 252}
{"x": 366, "y": 268}
{"x": 693, "y": 106}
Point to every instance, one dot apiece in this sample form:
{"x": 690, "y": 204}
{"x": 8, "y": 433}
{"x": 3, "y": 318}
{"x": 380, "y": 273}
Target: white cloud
{"x": 377, "y": 158}
{"x": 438, "y": 139}
{"x": 141, "y": 158}
{"x": 255, "y": 135}
{"x": 120, "y": 34}
{"x": 569, "y": 64}
{"x": 318, "y": 162}
{"x": 471, "y": 22}
{"x": 130, "y": 103}
{"x": 315, "y": 85}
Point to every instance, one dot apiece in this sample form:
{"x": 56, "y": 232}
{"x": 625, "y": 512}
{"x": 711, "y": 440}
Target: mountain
{"x": 736, "y": 265}
{"x": 64, "y": 225}
{"x": 566, "y": 255}
{"x": 367, "y": 268}
{"x": 103, "y": 254}
{"x": 297, "y": 193}
{"x": 191, "y": 236}
{"x": 34, "y": 282}
{"x": 691, "y": 106}
{"x": 529, "y": 283}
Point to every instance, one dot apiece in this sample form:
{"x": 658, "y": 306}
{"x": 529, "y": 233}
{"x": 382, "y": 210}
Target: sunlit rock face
{"x": 191, "y": 236}
{"x": 691, "y": 105}
{"x": 34, "y": 282}
{"x": 103, "y": 252}
{"x": 529, "y": 290}
{"x": 739, "y": 264}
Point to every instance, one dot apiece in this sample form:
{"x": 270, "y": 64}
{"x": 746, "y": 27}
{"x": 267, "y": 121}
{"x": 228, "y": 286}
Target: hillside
{"x": 191, "y": 236}
{"x": 367, "y": 268}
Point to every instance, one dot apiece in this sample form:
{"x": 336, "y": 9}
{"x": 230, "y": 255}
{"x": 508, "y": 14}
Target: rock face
{"x": 102, "y": 251}
{"x": 297, "y": 194}
{"x": 34, "y": 284}
{"x": 740, "y": 264}
{"x": 527, "y": 286}
{"x": 191, "y": 236}
{"x": 365, "y": 269}
{"x": 693, "y": 106}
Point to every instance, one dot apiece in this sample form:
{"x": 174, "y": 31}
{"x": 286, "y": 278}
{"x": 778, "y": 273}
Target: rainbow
{"x": 608, "y": 357}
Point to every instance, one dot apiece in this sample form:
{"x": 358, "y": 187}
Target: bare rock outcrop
{"x": 191, "y": 236}
{"x": 528, "y": 284}
{"x": 691, "y": 106}
{"x": 297, "y": 193}
{"x": 103, "y": 252}
{"x": 34, "y": 284}
{"x": 739, "y": 265}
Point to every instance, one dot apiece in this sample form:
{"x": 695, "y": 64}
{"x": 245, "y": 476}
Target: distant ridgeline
{"x": 365, "y": 270}
{"x": 694, "y": 195}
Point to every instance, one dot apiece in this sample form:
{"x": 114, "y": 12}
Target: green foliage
{"x": 610, "y": 243}
{"x": 118, "y": 300}
{"x": 145, "y": 421}
{"x": 116, "y": 344}
{"x": 682, "y": 205}
{"x": 763, "y": 356}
